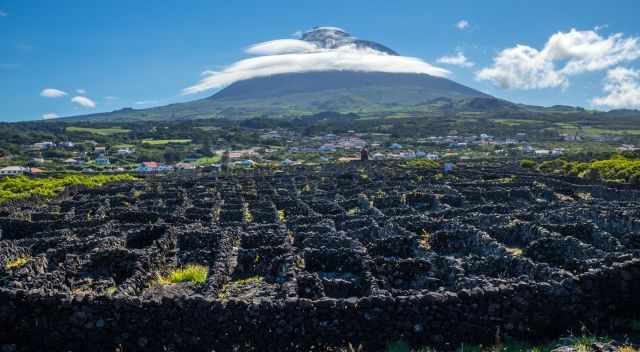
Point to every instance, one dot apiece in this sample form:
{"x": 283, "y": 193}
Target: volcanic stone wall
{"x": 310, "y": 258}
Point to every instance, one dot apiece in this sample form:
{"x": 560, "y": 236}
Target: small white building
{"x": 13, "y": 171}
{"x": 124, "y": 152}
{"x": 327, "y": 148}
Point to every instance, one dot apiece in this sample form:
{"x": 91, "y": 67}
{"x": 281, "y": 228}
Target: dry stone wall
{"x": 310, "y": 258}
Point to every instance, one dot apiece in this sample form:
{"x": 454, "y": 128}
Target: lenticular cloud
{"x": 331, "y": 49}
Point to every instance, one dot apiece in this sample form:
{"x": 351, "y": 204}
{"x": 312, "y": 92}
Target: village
{"x": 279, "y": 147}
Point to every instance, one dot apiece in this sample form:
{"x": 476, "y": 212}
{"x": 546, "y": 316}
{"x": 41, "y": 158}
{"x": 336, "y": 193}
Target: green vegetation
{"x": 190, "y": 273}
{"x": 515, "y": 251}
{"x": 207, "y": 160}
{"x": 230, "y": 288}
{"x": 616, "y": 169}
{"x": 528, "y": 164}
{"x": 23, "y": 187}
{"x": 166, "y": 141}
{"x": 515, "y": 122}
{"x": 421, "y": 164}
{"x": 98, "y": 131}
{"x": 17, "y": 263}
{"x": 579, "y": 344}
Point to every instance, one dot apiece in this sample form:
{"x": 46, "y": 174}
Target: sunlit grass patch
{"x": 515, "y": 251}
{"x": 17, "y": 263}
{"x": 196, "y": 274}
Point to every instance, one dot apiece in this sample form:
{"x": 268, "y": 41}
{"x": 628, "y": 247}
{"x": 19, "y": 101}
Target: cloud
{"x": 463, "y": 24}
{"x": 282, "y": 46}
{"x": 52, "y": 93}
{"x": 522, "y": 67}
{"x": 110, "y": 97}
{"x": 146, "y": 102}
{"x": 84, "y": 102}
{"x": 459, "y": 60}
{"x": 81, "y": 91}
{"x": 573, "y": 52}
{"x": 295, "y": 56}
{"x": 49, "y": 116}
{"x": 622, "y": 86}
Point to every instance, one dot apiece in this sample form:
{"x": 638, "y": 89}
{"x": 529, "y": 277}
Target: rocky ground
{"x": 317, "y": 257}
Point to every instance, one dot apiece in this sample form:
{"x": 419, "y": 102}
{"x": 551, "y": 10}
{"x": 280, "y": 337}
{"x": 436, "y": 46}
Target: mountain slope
{"x": 291, "y": 95}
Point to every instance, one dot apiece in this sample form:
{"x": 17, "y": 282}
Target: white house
{"x": 327, "y": 148}
{"x": 433, "y": 156}
{"x": 124, "y": 152}
{"x": 13, "y": 171}
{"x": 43, "y": 145}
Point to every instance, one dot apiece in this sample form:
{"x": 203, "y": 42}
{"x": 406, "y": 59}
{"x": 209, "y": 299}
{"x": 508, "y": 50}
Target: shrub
{"x": 24, "y": 187}
{"x": 17, "y": 263}
{"x": 190, "y": 273}
{"x": 528, "y": 164}
{"x": 421, "y": 164}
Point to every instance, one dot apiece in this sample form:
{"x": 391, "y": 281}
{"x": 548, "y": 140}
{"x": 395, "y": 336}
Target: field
{"x": 207, "y": 160}
{"x": 166, "y": 141}
{"x": 98, "y": 131}
{"x": 316, "y": 258}
{"x": 571, "y": 128}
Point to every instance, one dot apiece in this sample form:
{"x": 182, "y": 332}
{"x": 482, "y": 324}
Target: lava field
{"x": 315, "y": 257}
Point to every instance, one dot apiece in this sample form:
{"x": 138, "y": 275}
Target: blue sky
{"x": 140, "y": 54}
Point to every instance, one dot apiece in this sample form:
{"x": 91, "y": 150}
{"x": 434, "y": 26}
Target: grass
{"x": 196, "y": 274}
{"x": 580, "y": 344}
{"x": 17, "y": 263}
{"x": 421, "y": 164}
{"x": 229, "y": 288}
{"x": 425, "y": 238}
{"x": 22, "y": 187}
{"x": 515, "y": 122}
{"x": 207, "y": 160}
{"x": 98, "y": 131}
{"x": 165, "y": 141}
{"x": 515, "y": 251}
{"x": 571, "y": 128}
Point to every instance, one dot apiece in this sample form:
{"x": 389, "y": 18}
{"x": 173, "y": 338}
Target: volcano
{"x": 327, "y": 69}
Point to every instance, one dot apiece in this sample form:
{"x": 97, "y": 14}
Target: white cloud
{"x": 84, "y": 102}
{"x": 146, "y": 102}
{"x": 52, "y": 93}
{"x": 289, "y": 56}
{"x": 459, "y": 60}
{"x": 110, "y": 97}
{"x": 463, "y": 24}
{"x": 49, "y": 116}
{"x": 574, "y": 52}
{"x": 281, "y": 46}
{"x": 522, "y": 67}
{"x": 81, "y": 91}
{"x": 622, "y": 86}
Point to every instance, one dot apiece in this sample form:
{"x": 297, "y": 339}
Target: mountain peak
{"x": 328, "y": 37}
